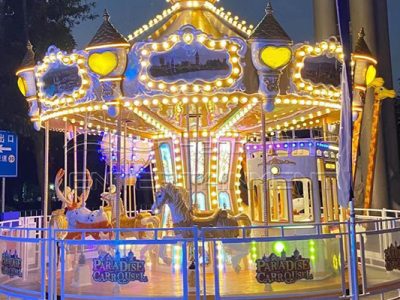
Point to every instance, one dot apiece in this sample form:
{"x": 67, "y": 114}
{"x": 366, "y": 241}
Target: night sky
{"x": 294, "y": 15}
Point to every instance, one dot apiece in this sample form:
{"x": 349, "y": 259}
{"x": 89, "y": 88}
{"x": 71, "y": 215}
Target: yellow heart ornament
{"x": 370, "y": 75}
{"x": 276, "y": 57}
{"x": 103, "y": 63}
{"x": 22, "y": 86}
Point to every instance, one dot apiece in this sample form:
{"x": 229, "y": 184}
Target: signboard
{"x": 61, "y": 79}
{"x": 118, "y": 269}
{"x": 317, "y": 69}
{"x": 392, "y": 257}
{"x": 8, "y": 154}
{"x": 273, "y": 268}
{"x": 188, "y": 61}
{"x": 11, "y": 264}
{"x": 190, "y": 64}
{"x": 322, "y": 70}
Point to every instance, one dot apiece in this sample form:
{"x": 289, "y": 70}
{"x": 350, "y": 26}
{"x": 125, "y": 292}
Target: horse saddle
{"x": 209, "y": 217}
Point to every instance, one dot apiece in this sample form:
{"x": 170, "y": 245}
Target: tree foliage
{"x": 44, "y": 23}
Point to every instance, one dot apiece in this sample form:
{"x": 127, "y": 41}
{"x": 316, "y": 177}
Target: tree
{"x": 44, "y": 23}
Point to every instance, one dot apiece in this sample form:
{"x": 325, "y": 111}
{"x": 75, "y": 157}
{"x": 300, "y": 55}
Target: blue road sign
{"x": 8, "y": 154}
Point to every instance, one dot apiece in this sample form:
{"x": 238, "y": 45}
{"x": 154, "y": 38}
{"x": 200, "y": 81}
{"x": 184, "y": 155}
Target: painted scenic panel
{"x": 322, "y": 70}
{"x": 61, "y": 79}
{"x": 190, "y": 63}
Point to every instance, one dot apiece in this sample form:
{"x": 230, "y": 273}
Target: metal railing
{"x": 49, "y": 262}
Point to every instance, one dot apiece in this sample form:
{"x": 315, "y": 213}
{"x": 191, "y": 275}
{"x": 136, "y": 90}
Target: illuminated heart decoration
{"x": 276, "y": 57}
{"x": 22, "y": 86}
{"x": 103, "y": 63}
{"x": 370, "y": 75}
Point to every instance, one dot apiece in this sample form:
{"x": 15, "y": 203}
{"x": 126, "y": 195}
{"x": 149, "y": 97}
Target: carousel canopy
{"x": 193, "y": 60}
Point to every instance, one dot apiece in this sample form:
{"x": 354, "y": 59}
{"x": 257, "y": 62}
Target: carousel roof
{"x": 29, "y": 58}
{"x": 361, "y": 46}
{"x": 106, "y": 34}
{"x": 157, "y": 108}
{"x": 269, "y": 28}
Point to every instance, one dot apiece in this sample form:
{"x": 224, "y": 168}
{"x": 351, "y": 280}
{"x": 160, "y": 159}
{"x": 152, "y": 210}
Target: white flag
{"x": 344, "y": 176}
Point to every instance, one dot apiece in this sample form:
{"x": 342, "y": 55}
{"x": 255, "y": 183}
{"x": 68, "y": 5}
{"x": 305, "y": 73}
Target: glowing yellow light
{"x": 23, "y": 88}
{"x": 188, "y": 38}
{"x": 370, "y": 75}
{"x": 279, "y": 247}
{"x": 276, "y": 57}
{"x": 103, "y": 63}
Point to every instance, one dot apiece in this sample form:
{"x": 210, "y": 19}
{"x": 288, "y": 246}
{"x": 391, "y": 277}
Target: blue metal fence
{"x": 49, "y": 263}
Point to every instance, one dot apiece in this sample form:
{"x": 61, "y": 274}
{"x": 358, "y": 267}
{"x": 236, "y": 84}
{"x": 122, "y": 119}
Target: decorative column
{"x": 27, "y": 84}
{"x": 271, "y": 53}
{"x": 108, "y": 51}
{"x": 364, "y": 72}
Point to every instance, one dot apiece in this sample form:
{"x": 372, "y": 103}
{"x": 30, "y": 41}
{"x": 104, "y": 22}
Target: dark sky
{"x": 294, "y": 15}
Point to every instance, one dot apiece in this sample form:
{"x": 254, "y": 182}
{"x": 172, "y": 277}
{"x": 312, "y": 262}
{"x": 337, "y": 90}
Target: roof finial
{"x": 29, "y": 45}
{"x": 361, "y": 34}
{"x": 106, "y": 16}
{"x": 269, "y": 10}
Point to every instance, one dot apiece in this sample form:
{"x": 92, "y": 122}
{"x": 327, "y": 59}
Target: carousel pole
{"x": 75, "y": 166}
{"x": 125, "y": 164}
{"x": 110, "y": 151}
{"x": 84, "y": 156}
{"x": 65, "y": 160}
{"x": 188, "y": 155}
{"x": 129, "y": 208}
{"x": 196, "y": 168}
{"x": 152, "y": 182}
{"x": 264, "y": 163}
{"x": 105, "y": 182}
{"x": 118, "y": 173}
{"x": 134, "y": 198}
{"x": 46, "y": 175}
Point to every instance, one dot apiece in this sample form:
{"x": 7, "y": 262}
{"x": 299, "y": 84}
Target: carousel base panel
{"x": 234, "y": 285}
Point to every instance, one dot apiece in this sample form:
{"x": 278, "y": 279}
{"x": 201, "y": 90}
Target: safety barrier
{"x": 259, "y": 262}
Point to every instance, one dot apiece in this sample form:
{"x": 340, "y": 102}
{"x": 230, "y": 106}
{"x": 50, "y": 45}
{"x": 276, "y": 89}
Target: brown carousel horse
{"x": 182, "y": 216}
{"x": 143, "y": 219}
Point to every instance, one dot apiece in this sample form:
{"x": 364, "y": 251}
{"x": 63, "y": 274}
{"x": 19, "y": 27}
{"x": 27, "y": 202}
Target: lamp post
{"x": 271, "y": 53}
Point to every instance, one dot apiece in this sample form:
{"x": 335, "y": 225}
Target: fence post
{"x": 363, "y": 267}
{"x": 184, "y": 270}
{"x": 49, "y": 265}
{"x": 203, "y": 246}
{"x": 216, "y": 270}
{"x": 342, "y": 264}
{"x": 196, "y": 261}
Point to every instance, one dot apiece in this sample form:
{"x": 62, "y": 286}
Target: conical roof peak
{"x": 361, "y": 46}
{"x": 269, "y": 28}
{"x": 106, "y": 34}
{"x": 29, "y": 58}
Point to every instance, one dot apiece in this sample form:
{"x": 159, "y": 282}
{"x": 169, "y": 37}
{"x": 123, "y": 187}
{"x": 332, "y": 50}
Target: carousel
{"x": 238, "y": 127}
